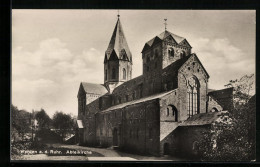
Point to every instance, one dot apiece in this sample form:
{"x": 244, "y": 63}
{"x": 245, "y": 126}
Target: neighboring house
{"x": 138, "y": 114}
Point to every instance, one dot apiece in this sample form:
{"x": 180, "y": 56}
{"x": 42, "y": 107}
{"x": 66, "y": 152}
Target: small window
{"x": 147, "y": 68}
{"x": 113, "y": 73}
{"x": 167, "y": 111}
{"x": 126, "y": 98}
{"x": 124, "y": 73}
{"x": 188, "y": 68}
{"x": 106, "y": 75}
{"x": 171, "y": 52}
{"x": 156, "y": 53}
{"x": 198, "y": 70}
{"x": 134, "y": 95}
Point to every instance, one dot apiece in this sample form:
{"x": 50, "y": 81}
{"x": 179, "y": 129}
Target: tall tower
{"x": 118, "y": 59}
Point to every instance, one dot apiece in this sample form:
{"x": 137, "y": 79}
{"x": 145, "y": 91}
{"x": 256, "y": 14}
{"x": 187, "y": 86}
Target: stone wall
{"x": 137, "y": 128}
{"x": 192, "y": 68}
{"x": 188, "y": 137}
{"x": 213, "y": 105}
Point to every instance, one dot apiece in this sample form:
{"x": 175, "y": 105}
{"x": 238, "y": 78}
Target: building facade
{"x": 145, "y": 115}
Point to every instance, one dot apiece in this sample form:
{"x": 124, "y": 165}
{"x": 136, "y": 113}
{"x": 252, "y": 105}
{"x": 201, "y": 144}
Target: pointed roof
{"x": 118, "y": 43}
{"x": 164, "y": 35}
{"x": 93, "y": 88}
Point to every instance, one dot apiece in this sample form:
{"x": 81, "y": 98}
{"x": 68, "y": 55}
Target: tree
{"x": 43, "y": 119}
{"x": 63, "y": 123}
{"x": 235, "y": 140}
{"x": 243, "y": 89}
{"x": 20, "y": 122}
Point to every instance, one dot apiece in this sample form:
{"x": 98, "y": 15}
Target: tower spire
{"x": 118, "y": 15}
{"x": 165, "y": 24}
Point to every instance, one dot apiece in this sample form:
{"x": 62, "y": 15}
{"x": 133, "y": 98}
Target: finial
{"x": 118, "y": 15}
{"x": 165, "y": 23}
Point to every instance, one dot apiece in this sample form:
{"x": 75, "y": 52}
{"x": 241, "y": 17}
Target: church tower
{"x": 118, "y": 59}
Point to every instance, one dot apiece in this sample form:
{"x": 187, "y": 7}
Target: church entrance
{"x": 115, "y": 137}
{"x": 166, "y": 149}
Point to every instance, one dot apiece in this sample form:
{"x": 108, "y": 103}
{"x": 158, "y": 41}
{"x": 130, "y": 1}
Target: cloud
{"x": 222, "y": 60}
{"x": 49, "y": 76}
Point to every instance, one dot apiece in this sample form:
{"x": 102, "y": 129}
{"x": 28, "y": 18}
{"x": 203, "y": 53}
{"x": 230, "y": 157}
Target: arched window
{"x": 124, "y": 73}
{"x": 182, "y": 54}
{"x": 156, "y": 53}
{"x": 172, "y": 110}
{"x": 106, "y": 75}
{"x": 133, "y": 95}
{"x": 192, "y": 97}
{"x": 113, "y": 73}
{"x": 171, "y": 52}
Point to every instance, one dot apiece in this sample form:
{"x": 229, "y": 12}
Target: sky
{"x": 54, "y": 50}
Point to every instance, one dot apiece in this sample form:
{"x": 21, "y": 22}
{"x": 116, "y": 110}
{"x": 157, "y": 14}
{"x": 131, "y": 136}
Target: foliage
{"x": 43, "y": 119}
{"x": 20, "y": 123}
{"x": 232, "y": 138}
{"x": 63, "y": 123}
{"x": 226, "y": 141}
{"x": 243, "y": 88}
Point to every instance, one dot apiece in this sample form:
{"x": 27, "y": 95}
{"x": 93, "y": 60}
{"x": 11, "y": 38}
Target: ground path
{"x": 107, "y": 154}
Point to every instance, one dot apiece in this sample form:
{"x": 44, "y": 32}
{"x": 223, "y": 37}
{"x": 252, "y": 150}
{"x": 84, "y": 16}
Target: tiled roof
{"x": 165, "y": 34}
{"x": 144, "y": 99}
{"x": 166, "y": 128}
{"x": 118, "y": 43}
{"x": 129, "y": 84}
{"x": 202, "y": 119}
{"x": 94, "y": 88}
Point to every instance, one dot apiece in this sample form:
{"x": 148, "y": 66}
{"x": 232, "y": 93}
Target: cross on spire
{"x": 165, "y": 24}
{"x": 118, "y": 15}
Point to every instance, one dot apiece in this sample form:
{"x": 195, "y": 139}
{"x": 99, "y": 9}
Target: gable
{"x": 146, "y": 46}
{"x": 185, "y": 43}
{"x": 93, "y": 88}
{"x": 190, "y": 61}
{"x": 170, "y": 39}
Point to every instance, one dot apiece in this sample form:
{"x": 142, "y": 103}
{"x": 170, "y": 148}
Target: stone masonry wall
{"x": 191, "y": 69}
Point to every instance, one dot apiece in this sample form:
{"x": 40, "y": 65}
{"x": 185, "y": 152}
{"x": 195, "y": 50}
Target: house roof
{"x": 144, "y": 99}
{"x": 94, "y": 88}
{"x": 118, "y": 43}
{"x": 130, "y": 84}
{"x": 164, "y": 35}
{"x": 202, "y": 119}
{"x": 222, "y": 93}
{"x": 166, "y": 128}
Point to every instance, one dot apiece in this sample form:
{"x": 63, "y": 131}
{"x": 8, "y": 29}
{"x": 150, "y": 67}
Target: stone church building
{"x": 163, "y": 111}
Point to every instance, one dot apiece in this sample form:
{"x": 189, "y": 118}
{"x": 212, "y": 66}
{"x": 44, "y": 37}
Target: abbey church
{"x": 163, "y": 111}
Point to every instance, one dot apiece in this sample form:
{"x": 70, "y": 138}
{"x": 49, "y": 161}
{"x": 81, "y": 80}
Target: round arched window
{"x": 171, "y": 52}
